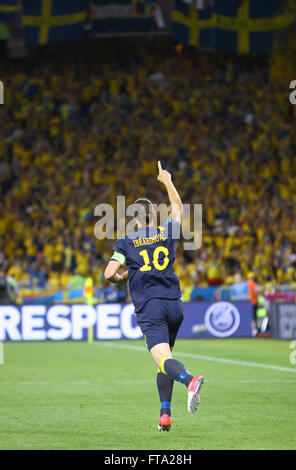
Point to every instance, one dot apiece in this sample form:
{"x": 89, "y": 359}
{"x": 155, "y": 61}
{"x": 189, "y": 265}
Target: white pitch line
{"x": 128, "y": 382}
{"x": 95, "y": 382}
{"x": 206, "y": 358}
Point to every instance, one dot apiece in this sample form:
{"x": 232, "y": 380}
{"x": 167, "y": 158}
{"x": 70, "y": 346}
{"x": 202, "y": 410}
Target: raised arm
{"x": 177, "y": 207}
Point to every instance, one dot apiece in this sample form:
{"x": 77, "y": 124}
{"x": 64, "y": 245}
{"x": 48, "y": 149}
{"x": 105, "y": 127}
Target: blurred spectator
{"x": 252, "y": 295}
{"x": 77, "y": 281}
{"x": 239, "y": 290}
{"x": 261, "y": 314}
{"x": 8, "y": 288}
{"x": 214, "y": 270}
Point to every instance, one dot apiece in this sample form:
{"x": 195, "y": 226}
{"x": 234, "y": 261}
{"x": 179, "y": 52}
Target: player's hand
{"x": 124, "y": 276}
{"x": 163, "y": 175}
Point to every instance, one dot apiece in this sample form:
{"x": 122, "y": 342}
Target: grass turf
{"x": 75, "y": 395}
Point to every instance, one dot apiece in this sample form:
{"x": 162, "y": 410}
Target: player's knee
{"x": 160, "y": 353}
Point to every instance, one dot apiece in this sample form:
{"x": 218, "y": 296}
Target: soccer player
{"x": 149, "y": 254}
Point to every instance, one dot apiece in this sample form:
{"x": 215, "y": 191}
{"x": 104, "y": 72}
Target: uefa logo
{"x": 222, "y": 319}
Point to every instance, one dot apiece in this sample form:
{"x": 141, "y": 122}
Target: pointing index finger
{"x": 159, "y": 166}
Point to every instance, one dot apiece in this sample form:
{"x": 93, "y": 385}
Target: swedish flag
{"x": 47, "y": 21}
{"x": 243, "y": 26}
{"x": 8, "y": 9}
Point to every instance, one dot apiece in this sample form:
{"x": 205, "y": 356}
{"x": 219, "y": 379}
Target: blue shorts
{"x": 160, "y": 320}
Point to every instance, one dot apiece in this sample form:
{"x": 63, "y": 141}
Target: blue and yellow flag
{"x": 8, "y": 10}
{"x": 243, "y": 26}
{"x": 122, "y": 16}
{"x": 47, "y": 21}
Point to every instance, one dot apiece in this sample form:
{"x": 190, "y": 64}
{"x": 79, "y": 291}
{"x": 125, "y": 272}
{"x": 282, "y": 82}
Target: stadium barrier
{"x": 282, "y": 318}
{"x": 31, "y": 296}
{"x": 114, "y": 321}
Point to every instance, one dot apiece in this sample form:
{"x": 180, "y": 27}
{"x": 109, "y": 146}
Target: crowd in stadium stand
{"x": 79, "y": 132}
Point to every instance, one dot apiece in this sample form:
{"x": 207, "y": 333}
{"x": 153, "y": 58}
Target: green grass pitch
{"x": 75, "y": 395}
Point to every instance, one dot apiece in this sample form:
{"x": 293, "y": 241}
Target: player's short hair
{"x": 146, "y": 211}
